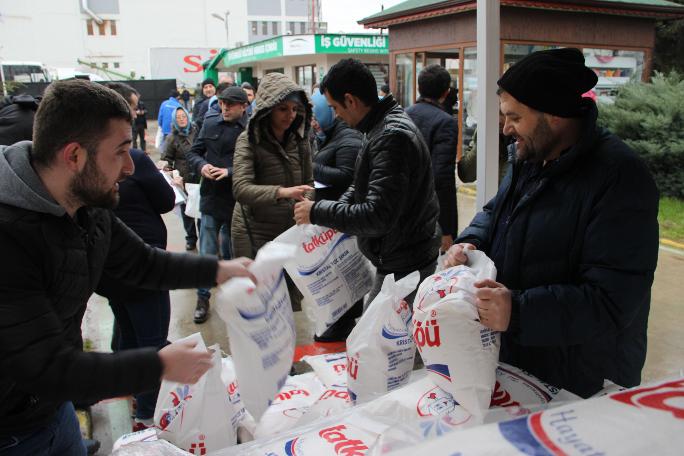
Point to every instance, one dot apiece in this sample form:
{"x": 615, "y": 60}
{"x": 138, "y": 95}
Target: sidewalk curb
{"x": 671, "y": 243}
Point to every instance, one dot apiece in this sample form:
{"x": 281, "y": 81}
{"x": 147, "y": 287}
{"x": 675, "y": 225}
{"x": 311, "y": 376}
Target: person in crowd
{"x": 249, "y": 90}
{"x": 213, "y": 106}
{"x": 179, "y": 143}
{"x": 228, "y": 80}
{"x": 140, "y": 126}
{"x": 202, "y": 103}
{"x": 166, "y": 112}
{"x": 467, "y": 166}
{"x": 391, "y": 206}
{"x": 384, "y": 91}
{"x": 440, "y": 132}
{"x": 185, "y": 98}
{"x": 333, "y": 170}
{"x": 141, "y": 315}
{"x": 211, "y": 156}
{"x": 16, "y": 118}
{"x": 272, "y": 166}
{"x": 57, "y": 226}
{"x": 450, "y": 101}
{"x": 573, "y": 233}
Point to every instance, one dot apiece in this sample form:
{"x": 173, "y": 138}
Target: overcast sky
{"x": 341, "y": 15}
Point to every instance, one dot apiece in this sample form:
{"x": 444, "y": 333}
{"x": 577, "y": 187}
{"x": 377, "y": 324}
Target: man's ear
{"x": 73, "y": 156}
{"x": 350, "y": 101}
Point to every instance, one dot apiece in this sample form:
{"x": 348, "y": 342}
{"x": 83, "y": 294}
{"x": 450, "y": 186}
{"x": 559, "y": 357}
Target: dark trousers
{"x": 139, "y": 131}
{"x": 143, "y": 320}
{"x": 190, "y": 228}
{"x": 60, "y": 437}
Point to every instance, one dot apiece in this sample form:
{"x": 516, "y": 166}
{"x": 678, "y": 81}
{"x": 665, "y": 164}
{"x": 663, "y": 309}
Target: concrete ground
{"x": 111, "y": 418}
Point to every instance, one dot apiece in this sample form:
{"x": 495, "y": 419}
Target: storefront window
{"x": 305, "y": 77}
{"x": 420, "y": 58}
{"x": 469, "y": 102}
{"x": 515, "y": 52}
{"x": 404, "y": 64}
{"x": 613, "y": 68}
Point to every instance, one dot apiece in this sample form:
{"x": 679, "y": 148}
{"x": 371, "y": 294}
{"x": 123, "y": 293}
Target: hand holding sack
{"x": 261, "y": 327}
{"x": 460, "y": 354}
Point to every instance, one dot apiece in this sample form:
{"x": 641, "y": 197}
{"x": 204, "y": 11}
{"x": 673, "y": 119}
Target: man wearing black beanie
{"x": 573, "y": 232}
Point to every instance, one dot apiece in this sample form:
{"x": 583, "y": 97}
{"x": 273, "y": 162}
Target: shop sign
{"x": 257, "y": 51}
{"x": 352, "y": 44}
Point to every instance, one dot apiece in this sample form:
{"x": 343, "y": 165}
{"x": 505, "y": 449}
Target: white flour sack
{"x": 329, "y": 270}
{"x": 196, "y": 417}
{"x": 647, "y": 419}
{"x": 260, "y": 326}
{"x": 460, "y": 354}
{"x": 331, "y": 368}
{"x": 380, "y": 348}
{"x": 294, "y": 399}
{"x": 242, "y": 421}
{"x": 334, "y": 400}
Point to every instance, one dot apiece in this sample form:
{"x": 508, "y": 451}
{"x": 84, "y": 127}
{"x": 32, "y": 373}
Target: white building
{"x": 122, "y": 38}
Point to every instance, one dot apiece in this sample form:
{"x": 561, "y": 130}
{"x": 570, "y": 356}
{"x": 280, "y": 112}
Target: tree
{"x": 669, "y": 45}
{"x": 650, "y": 118}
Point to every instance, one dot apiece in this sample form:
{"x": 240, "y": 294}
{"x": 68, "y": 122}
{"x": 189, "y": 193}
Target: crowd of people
{"x": 572, "y": 230}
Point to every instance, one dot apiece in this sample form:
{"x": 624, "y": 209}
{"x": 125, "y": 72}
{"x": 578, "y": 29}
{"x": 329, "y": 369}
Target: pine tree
{"x": 650, "y": 118}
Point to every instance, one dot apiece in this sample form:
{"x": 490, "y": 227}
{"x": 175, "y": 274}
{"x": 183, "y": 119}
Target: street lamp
{"x": 224, "y": 18}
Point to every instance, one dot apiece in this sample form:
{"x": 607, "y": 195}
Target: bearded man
{"x": 573, "y": 232}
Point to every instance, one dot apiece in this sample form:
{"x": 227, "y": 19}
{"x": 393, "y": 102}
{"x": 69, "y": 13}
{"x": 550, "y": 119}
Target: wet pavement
{"x": 111, "y": 418}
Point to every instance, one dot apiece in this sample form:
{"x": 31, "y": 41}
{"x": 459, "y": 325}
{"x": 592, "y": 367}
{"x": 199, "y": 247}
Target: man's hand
{"x": 227, "y": 269}
{"x": 447, "y": 242}
{"x": 302, "y": 212}
{"x": 182, "y": 363}
{"x": 219, "y": 173}
{"x": 493, "y": 304}
{"x": 456, "y": 254}
{"x": 208, "y": 171}
{"x": 178, "y": 181}
{"x": 297, "y": 193}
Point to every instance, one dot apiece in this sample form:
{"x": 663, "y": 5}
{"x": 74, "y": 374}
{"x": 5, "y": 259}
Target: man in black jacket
{"x": 16, "y": 118}
{"x": 211, "y": 156}
{"x": 199, "y": 111}
{"x": 573, "y": 232}
{"x": 58, "y": 235}
{"x": 391, "y": 205}
{"x": 440, "y": 132}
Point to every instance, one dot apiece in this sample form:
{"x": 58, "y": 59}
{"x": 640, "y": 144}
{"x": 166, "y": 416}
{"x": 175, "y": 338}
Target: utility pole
{"x": 224, "y": 18}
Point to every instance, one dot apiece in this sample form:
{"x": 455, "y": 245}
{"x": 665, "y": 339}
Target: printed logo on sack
{"x": 442, "y": 284}
{"x": 502, "y": 398}
{"x": 440, "y": 369}
{"x": 353, "y": 366}
{"x": 335, "y": 394}
{"x": 441, "y": 405}
{"x": 318, "y": 240}
{"x": 530, "y": 436}
{"x": 293, "y": 447}
{"x": 179, "y": 398}
{"x": 287, "y": 395}
{"x": 233, "y": 392}
{"x": 666, "y": 397}
{"x": 426, "y": 333}
{"x": 198, "y": 448}
{"x": 341, "y": 443}
{"x": 402, "y": 334}
{"x": 322, "y": 239}
{"x": 536, "y": 389}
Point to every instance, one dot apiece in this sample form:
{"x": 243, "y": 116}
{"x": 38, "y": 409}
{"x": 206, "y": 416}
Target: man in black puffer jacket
{"x": 58, "y": 235}
{"x": 391, "y": 206}
{"x": 573, "y": 232}
{"x": 440, "y": 132}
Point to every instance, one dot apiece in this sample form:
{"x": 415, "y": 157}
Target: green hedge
{"x": 650, "y": 118}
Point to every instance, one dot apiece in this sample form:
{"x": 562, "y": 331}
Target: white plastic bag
{"x": 293, "y": 401}
{"x": 158, "y": 138}
{"x": 192, "y": 205}
{"x": 380, "y": 349}
{"x": 243, "y": 423}
{"x": 195, "y": 417}
{"x": 331, "y": 368}
{"x": 329, "y": 270}
{"x": 334, "y": 400}
{"x": 460, "y": 354}
{"x": 260, "y": 326}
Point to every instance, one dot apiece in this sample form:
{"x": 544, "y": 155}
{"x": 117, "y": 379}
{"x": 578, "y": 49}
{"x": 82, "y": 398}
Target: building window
{"x": 105, "y": 65}
{"x": 89, "y": 27}
{"x": 302, "y": 27}
{"x": 291, "y": 28}
{"x": 404, "y": 69}
{"x": 305, "y": 77}
{"x": 101, "y": 28}
{"x": 116, "y": 65}
{"x": 264, "y": 28}
{"x": 613, "y": 68}
{"x": 274, "y": 28}
{"x": 469, "y": 110}
{"x": 112, "y": 27}
{"x": 254, "y": 27}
